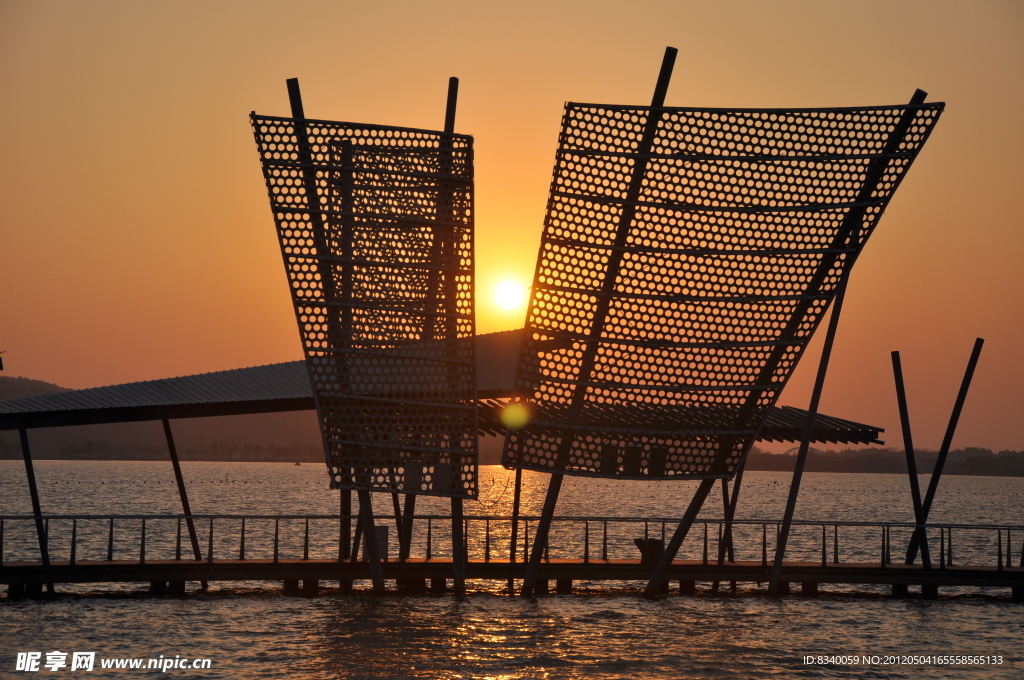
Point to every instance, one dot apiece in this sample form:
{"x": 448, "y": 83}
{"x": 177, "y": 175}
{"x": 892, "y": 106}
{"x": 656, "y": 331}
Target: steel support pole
{"x": 540, "y": 538}
{"x": 372, "y": 549}
{"x": 947, "y": 441}
{"x": 186, "y": 510}
{"x": 458, "y": 548}
{"x": 516, "y": 499}
{"x": 660, "y": 571}
{"x": 908, "y": 448}
{"x": 33, "y": 490}
{"x": 600, "y": 314}
{"x": 851, "y": 223}
{"x": 396, "y": 506}
{"x": 725, "y": 549}
{"x": 721, "y": 537}
{"x": 182, "y": 493}
{"x": 405, "y": 543}
{"x": 805, "y": 441}
{"x": 730, "y": 512}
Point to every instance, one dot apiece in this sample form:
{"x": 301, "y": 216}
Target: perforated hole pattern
{"x": 380, "y": 267}
{"x": 687, "y": 257}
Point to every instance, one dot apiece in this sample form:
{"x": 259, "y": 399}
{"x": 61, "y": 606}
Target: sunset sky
{"x": 138, "y": 243}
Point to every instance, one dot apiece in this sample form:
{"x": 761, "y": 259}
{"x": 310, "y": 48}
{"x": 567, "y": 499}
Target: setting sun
{"x": 509, "y": 295}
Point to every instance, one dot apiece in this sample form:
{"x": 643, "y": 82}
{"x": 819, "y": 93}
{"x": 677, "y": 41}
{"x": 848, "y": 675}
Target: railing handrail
{"x": 563, "y": 518}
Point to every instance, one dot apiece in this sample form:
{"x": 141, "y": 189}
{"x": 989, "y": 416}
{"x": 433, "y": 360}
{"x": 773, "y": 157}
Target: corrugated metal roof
{"x": 783, "y": 424}
{"x": 285, "y": 387}
{"x": 259, "y": 389}
{"x": 275, "y": 381}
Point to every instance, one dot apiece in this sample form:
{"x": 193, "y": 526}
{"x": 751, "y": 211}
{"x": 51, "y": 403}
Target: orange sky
{"x": 138, "y": 243}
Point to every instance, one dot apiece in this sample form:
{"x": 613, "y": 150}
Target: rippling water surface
{"x": 250, "y": 630}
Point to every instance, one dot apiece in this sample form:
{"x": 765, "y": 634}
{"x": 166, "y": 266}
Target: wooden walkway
{"x": 22, "y": 577}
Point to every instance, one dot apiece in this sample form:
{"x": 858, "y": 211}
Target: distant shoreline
{"x": 969, "y": 461}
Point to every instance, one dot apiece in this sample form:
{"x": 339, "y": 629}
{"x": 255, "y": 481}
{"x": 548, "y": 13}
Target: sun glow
{"x": 509, "y": 295}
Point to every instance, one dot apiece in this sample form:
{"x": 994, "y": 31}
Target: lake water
{"x": 604, "y": 631}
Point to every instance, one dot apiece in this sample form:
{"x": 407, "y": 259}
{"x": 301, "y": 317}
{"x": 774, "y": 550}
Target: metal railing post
{"x": 764, "y": 545}
{"x": 430, "y": 531}
{"x": 305, "y": 542}
{"x": 705, "y": 543}
{"x": 824, "y": 552}
{"x": 142, "y": 543}
{"x": 277, "y": 531}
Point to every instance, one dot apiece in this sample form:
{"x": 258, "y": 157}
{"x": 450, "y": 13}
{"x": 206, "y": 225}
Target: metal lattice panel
{"x": 687, "y": 257}
{"x": 380, "y": 266}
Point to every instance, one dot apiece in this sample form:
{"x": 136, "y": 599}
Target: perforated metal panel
{"x": 687, "y": 257}
{"x": 376, "y": 230}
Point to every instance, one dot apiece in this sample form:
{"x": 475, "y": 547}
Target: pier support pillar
{"x": 158, "y": 587}
{"x": 688, "y": 588}
{"x": 563, "y": 586}
{"x": 291, "y": 587}
{"x": 176, "y": 588}
{"x": 809, "y": 589}
{"x": 439, "y": 586}
{"x": 16, "y": 591}
{"x": 345, "y": 586}
{"x": 310, "y": 587}
{"x": 930, "y": 592}
{"x": 900, "y": 590}
{"x": 1017, "y": 593}
{"x": 783, "y": 588}
{"x": 542, "y": 587}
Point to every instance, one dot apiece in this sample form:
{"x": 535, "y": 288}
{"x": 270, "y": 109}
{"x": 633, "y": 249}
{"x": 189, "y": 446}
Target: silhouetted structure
{"x": 688, "y": 256}
{"x": 376, "y": 230}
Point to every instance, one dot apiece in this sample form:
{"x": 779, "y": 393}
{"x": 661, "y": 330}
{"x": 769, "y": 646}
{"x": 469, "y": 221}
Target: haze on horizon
{"x": 137, "y": 238}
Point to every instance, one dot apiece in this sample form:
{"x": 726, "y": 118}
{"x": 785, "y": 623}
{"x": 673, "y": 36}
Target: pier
{"x": 621, "y": 551}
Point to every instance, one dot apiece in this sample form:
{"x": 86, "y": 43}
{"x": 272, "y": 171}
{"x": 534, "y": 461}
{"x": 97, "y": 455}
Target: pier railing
{"x": 74, "y": 538}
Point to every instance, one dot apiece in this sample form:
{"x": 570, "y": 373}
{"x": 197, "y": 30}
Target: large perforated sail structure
{"x": 687, "y": 257}
{"x": 376, "y": 230}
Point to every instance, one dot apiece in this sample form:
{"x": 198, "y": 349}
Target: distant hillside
{"x": 967, "y": 461}
{"x": 16, "y": 388}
